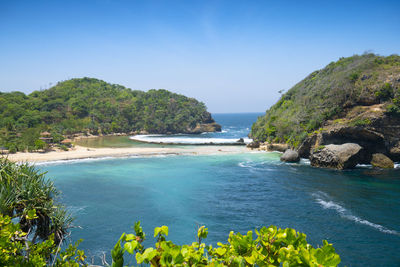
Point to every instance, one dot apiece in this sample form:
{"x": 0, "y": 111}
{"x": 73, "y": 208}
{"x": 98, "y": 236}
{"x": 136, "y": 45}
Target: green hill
{"x": 93, "y": 106}
{"x": 338, "y": 94}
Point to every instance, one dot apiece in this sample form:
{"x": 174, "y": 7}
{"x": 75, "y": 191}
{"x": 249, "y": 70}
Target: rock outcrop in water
{"x": 337, "y": 156}
{"x": 381, "y": 161}
{"x": 205, "y": 127}
{"x": 354, "y": 100}
{"x": 290, "y": 156}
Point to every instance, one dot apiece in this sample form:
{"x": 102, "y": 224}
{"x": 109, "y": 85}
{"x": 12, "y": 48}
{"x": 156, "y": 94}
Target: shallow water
{"x": 356, "y": 210}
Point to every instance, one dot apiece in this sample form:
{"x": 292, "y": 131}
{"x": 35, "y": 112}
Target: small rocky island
{"x": 345, "y": 114}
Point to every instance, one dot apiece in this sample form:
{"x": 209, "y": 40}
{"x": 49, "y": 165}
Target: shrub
{"x": 385, "y": 93}
{"x": 271, "y": 247}
{"x": 17, "y": 249}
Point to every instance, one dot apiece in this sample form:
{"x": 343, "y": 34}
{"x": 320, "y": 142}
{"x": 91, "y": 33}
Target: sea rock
{"x": 290, "y": 156}
{"x": 340, "y": 157}
{"x": 254, "y": 144}
{"x": 240, "y": 141}
{"x": 381, "y": 161}
{"x": 274, "y": 147}
{"x": 205, "y": 127}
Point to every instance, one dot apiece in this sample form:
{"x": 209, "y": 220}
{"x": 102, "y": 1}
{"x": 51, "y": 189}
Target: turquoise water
{"x": 357, "y": 210}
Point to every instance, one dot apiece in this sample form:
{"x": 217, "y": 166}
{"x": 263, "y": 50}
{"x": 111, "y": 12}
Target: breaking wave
{"x": 323, "y": 199}
{"x": 186, "y": 140}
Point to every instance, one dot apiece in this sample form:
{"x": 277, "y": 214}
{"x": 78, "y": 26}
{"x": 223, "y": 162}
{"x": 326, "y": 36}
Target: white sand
{"x": 80, "y": 152}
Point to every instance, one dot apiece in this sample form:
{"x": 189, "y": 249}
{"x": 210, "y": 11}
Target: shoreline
{"x": 80, "y": 152}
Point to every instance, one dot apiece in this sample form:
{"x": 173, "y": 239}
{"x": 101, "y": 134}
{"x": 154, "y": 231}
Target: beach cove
{"x": 233, "y": 189}
{"x": 79, "y": 152}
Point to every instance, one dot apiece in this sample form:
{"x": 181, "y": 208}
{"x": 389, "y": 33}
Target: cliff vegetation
{"x": 355, "y": 99}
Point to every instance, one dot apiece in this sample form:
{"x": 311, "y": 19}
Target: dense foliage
{"x": 23, "y": 188}
{"x": 272, "y": 247}
{"x": 17, "y": 249}
{"x": 327, "y": 94}
{"x": 93, "y": 106}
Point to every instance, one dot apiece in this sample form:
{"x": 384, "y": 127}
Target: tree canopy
{"x": 88, "y": 105}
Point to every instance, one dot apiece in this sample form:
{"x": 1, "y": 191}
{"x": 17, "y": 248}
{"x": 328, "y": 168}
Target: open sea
{"x": 356, "y": 210}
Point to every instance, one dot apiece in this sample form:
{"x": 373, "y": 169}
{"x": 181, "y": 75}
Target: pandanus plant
{"x": 24, "y": 188}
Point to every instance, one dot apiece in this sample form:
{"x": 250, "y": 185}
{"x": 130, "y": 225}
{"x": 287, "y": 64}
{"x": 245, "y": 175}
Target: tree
{"x": 24, "y": 188}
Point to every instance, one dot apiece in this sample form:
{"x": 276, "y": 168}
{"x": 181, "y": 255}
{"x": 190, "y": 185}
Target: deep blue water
{"x": 356, "y": 210}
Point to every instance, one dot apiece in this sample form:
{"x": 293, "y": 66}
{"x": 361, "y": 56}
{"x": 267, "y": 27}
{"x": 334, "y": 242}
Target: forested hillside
{"x": 93, "y": 106}
{"x": 338, "y": 94}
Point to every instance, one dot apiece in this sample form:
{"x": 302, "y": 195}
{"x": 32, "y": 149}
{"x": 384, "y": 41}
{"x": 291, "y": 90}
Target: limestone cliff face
{"x": 369, "y": 126}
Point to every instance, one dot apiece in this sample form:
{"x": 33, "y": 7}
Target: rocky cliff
{"x": 354, "y": 100}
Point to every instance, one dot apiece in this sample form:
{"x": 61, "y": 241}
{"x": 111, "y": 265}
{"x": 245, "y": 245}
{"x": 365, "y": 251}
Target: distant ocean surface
{"x": 356, "y": 210}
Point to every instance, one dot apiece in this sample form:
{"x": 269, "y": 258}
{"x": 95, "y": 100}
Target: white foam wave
{"x": 305, "y": 161}
{"x": 66, "y": 161}
{"x": 397, "y": 165}
{"x": 344, "y": 213}
{"x": 186, "y": 140}
{"x": 367, "y": 166}
{"x": 72, "y": 161}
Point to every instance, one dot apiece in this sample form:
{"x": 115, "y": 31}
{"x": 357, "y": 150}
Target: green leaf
{"x": 130, "y": 237}
{"x": 163, "y": 230}
{"x": 31, "y": 215}
{"x": 220, "y": 251}
{"x": 131, "y": 246}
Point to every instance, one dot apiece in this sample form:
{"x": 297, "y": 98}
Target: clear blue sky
{"x": 233, "y": 55}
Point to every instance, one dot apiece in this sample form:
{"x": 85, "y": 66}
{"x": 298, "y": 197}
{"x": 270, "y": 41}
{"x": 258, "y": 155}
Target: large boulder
{"x": 290, "y": 156}
{"x": 254, "y": 144}
{"x": 340, "y": 157}
{"x": 381, "y": 161}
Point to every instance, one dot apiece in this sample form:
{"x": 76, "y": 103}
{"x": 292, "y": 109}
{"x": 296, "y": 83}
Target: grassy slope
{"x": 328, "y": 94}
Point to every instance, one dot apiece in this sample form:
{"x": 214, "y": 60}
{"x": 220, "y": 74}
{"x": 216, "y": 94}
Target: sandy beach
{"x": 79, "y": 152}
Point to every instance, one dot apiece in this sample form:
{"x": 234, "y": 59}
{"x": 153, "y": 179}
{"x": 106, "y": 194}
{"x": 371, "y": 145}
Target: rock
{"x": 240, "y": 140}
{"x": 369, "y": 126}
{"x": 290, "y": 156}
{"x": 304, "y": 149}
{"x": 254, "y": 144}
{"x": 394, "y": 151}
{"x": 340, "y": 157}
{"x": 277, "y": 147}
{"x": 381, "y": 161}
{"x": 205, "y": 127}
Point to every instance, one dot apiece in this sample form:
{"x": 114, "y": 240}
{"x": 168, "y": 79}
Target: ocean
{"x": 356, "y": 210}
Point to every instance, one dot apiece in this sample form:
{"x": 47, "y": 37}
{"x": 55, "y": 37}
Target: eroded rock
{"x": 382, "y": 161}
{"x": 290, "y": 156}
{"x": 340, "y": 157}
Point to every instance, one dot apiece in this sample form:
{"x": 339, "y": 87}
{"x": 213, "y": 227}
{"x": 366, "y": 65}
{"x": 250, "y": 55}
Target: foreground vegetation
{"x": 33, "y": 227}
{"x": 271, "y": 247}
{"x": 93, "y": 106}
{"x": 327, "y": 94}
